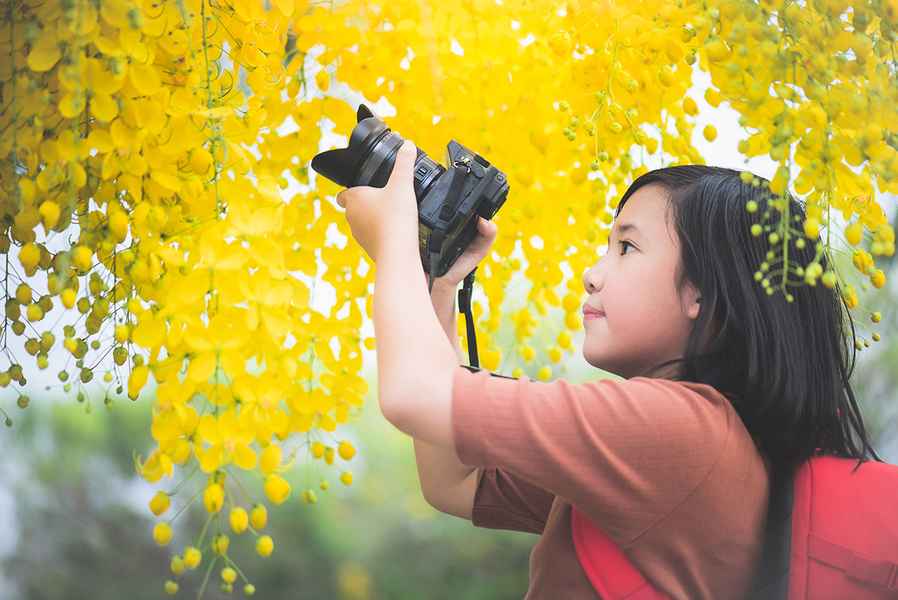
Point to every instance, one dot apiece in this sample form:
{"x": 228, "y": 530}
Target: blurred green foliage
{"x": 84, "y": 529}
{"x": 77, "y": 524}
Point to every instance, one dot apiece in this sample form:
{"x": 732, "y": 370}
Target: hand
{"x": 472, "y": 255}
{"x": 378, "y": 216}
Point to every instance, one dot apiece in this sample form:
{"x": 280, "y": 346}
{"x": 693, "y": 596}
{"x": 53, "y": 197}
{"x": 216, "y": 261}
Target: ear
{"x": 695, "y": 308}
{"x": 692, "y": 300}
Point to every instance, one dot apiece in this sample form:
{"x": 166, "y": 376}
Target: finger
{"x": 340, "y": 201}
{"x": 402, "y": 175}
{"x": 487, "y": 228}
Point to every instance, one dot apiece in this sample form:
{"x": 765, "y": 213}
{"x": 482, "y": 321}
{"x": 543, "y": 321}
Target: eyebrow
{"x": 622, "y": 228}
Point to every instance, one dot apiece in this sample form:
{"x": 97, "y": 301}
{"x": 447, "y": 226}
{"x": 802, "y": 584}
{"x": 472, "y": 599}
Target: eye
{"x": 622, "y": 242}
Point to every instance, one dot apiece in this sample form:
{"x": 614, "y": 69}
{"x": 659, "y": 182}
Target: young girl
{"x": 722, "y": 384}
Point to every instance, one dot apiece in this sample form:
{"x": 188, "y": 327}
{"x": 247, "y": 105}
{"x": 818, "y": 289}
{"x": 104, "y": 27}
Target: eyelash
{"x": 625, "y": 242}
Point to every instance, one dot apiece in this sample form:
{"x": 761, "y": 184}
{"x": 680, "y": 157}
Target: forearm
{"x": 439, "y": 468}
{"x": 442, "y": 296}
{"x": 413, "y": 354}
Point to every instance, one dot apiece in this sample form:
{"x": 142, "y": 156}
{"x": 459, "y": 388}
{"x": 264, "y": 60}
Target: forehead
{"x": 648, "y": 210}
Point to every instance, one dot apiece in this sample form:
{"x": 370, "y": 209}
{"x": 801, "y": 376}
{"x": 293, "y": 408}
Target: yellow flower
{"x": 276, "y": 488}
{"x": 854, "y": 233}
{"x": 564, "y": 340}
{"x": 265, "y": 545}
{"x": 717, "y": 50}
{"x": 34, "y": 313}
{"x": 44, "y": 54}
{"x": 82, "y": 258}
{"x": 177, "y": 565}
{"x": 49, "y": 211}
{"x": 322, "y": 79}
{"x": 258, "y": 516}
{"x": 171, "y": 587}
{"x": 346, "y": 450}
{"x": 239, "y": 519}
{"x": 271, "y": 459}
{"x": 228, "y": 575}
{"x": 159, "y": 503}
{"x": 29, "y": 256}
{"x": 228, "y": 437}
{"x": 118, "y": 225}
{"x": 162, "y": 533}
{"x": 220, "y": 544}
{"x": 23, "y": 293}
{"x": 121, "y": 333}
{"x": 862, "y": 260}
{"x": 317, "y": 449}
{"x": 346, "y": 477}
{"x": 213, "y": 497}
{"x": 68, "y": 297}
{"x": 812, "y": 227}
{"x": 192, "y": 557}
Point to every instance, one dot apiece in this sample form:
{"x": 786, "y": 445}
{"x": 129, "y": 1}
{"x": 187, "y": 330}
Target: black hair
{"x": 783, "y": 365}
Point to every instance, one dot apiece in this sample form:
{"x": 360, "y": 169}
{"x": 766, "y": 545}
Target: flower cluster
{"x": 168, "y": 131}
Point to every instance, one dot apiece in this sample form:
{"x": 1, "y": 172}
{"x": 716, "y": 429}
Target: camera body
{"x": 449, "y": 198}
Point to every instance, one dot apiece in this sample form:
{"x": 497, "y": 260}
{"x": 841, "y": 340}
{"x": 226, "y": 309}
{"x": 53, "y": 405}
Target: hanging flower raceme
{"x": 176, "y": 137}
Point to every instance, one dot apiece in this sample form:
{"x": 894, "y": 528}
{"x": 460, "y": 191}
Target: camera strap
{"x": 464, "y": 307}
{"x": 434, "y": 246}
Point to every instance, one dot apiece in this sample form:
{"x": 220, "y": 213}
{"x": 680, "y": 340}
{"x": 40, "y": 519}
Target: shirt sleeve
{"x": 505, "y": 501}
{"x": 626, "y": 452}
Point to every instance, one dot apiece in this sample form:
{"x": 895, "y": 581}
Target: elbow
{"x": 392, "y": 407}
{"x": 434, "y": 502}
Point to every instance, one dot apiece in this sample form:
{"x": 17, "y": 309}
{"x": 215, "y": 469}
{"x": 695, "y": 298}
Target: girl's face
{"x": 646, "y": 320}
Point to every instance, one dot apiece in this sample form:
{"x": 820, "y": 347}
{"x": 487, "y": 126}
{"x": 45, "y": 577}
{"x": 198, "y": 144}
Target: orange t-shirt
{"x": 666, "y": 469}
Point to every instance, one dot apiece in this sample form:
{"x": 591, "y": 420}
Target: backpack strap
{"x": 882, "y": 573}
{"x": 608, "y": 569}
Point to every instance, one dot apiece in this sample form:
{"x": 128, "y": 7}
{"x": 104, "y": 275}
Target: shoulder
{"x": 678, "y": 396}
{"x": 687, "y": 410}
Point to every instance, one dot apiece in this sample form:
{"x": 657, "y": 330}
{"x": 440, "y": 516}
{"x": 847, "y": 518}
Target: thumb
{"x": 487, "y": 228}
{"x": 402, "y": 174}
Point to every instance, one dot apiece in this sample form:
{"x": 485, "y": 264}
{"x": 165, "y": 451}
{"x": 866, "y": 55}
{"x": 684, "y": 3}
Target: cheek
{"x": 638, "y": 308}
{"x": 630, "y": 304}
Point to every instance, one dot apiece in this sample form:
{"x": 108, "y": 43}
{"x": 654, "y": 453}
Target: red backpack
{"x": 832, "y": 534}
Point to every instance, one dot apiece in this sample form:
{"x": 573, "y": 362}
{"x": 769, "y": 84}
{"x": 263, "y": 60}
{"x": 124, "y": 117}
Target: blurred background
{"x": 74, "y": 521}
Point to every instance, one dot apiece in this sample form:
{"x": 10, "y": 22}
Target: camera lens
{"x": 370, "y": 156}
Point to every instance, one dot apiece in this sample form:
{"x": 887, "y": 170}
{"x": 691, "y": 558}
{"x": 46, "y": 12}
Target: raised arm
{"x": 446, "y": 483}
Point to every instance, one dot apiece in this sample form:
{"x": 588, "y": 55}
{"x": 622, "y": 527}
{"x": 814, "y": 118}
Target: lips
{"x": 593, "y": 312}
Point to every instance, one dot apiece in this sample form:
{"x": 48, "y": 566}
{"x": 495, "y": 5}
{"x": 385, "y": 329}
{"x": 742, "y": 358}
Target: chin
{"x": 593, "y": 360}
{"x": 602, "y": 363}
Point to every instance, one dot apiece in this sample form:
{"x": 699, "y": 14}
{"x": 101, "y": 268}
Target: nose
{"x": 591, "y": 279}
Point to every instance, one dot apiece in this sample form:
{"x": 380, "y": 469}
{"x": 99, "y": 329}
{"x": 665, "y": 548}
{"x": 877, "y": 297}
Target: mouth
{"x": 592, "y": 314}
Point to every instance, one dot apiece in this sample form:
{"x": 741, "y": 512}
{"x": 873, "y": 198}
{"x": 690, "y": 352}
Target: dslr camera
{"x": 449, "y": 198}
